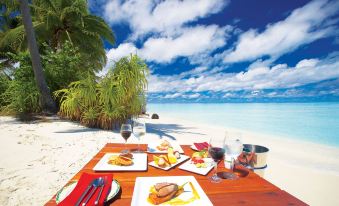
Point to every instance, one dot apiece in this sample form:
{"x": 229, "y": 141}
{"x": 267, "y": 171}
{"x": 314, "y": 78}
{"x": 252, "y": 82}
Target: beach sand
{"x": 38, "y": 158}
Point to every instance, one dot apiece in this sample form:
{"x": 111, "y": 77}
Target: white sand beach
{"x": 38, "y": 158}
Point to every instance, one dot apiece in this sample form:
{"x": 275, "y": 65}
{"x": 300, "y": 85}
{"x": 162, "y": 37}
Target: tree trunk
{"x": 47, "y": 103}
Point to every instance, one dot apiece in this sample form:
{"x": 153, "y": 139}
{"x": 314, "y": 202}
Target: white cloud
{"x": 193, "y": 96}
{"x": 178, "y": 94}
{"x": 172, "y": 96}
{"x": 121, "y": 51}
{"x": 115, "y": 54}
{"x": 192, "y": 41}
{"x": 302, "y": 26}
{"x": 307, "y": 63}
{"x": 263, "y": 77}
{"x": 159, "y": 16}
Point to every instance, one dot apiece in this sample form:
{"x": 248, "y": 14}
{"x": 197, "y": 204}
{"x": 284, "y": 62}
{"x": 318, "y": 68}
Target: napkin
{"x": 201, "y": 146}
{"x": 84, "y": 181}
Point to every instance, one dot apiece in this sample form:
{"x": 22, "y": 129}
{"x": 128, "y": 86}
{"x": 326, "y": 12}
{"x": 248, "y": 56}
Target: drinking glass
{"x": 216, "y": 150}
{"x": 234, "y": 147}
{"x": 125, "y": 131}
{"x": 139, "y": 130}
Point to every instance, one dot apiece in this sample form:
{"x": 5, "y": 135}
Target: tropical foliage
{"x": 57, "y": 21}
{"x": 19, "y": 93}
{"x": 107, "y": 102}
{"x": 70, "y": 41}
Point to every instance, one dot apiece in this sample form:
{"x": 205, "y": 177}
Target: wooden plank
{"x": 242, "y": 191}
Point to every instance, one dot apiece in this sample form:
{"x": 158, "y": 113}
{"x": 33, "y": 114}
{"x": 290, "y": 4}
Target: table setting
{"x": 159, "y": 173}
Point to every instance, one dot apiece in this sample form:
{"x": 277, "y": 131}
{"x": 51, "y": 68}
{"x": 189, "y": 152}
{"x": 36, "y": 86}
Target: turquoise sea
{"x": 314, "y": 122}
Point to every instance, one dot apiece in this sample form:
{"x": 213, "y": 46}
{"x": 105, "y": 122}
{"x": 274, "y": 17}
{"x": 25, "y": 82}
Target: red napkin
{"x": 201, "y": 146}
{"x": 84, "y": 181}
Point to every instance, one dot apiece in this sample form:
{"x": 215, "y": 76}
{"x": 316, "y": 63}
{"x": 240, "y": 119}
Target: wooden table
{"x": 250, "y": 190}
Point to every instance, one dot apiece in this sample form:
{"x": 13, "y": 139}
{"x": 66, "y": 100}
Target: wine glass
{"x": 139, "y": 130}
{"x": 125, "y": 131}
{"x": 216, "y": 150}
{"x": 234, "y": 147}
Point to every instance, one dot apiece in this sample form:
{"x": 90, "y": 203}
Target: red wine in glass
{"x": 125, "y": 131}
{"x": 216, "y": 153}
{"x": 216, "y": 150}
{"x": 126, "y": 134}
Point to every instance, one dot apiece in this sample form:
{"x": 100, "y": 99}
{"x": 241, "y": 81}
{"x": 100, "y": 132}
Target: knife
{"x": 84, "y": 193}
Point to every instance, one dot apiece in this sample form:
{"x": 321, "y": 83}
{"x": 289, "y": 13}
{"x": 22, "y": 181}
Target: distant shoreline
{"x": 316, "y": 123}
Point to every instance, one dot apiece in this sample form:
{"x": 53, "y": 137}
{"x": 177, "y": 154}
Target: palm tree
{"x": 47, "y": 103}
{"x": 57, "y": 21}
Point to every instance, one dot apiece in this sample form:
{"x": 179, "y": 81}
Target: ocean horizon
{"x": 316, "y": 122}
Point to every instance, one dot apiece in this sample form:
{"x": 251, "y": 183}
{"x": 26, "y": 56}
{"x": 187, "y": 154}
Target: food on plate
{"x": 164, "y": 145}
{"x": 166, "y": 160}
{"x": 121, "y": 160}
{"x": 163, "y": 192}
{"x": 202, "y": 154}
{"x": 199, "y": 162}
{"x": 198, "y": 159}
{"x": 161, "y": 161}
{"x": 177, "y": 154}
{"x": 129, "y": 155}
{"x": 171, "y": 157}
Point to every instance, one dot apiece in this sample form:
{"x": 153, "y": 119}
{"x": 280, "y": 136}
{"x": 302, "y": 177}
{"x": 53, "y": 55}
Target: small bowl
{"x": 241, "y": 171}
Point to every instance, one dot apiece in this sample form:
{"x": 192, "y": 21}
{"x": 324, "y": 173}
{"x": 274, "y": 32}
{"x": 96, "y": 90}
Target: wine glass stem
{"x": 215, "y": 168}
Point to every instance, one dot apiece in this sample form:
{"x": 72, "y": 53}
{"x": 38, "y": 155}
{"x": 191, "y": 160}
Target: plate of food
{"x": 122, "y": 162}
{"x": 162, "y": 146}
{"x": 169, "y": 160}
{"x": 168, "y": 190}
{"x": 199, "y": 163}
{"x": 65, "y": 191}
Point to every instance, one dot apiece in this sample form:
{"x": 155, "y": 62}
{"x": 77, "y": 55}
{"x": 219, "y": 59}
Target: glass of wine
{"x": 234, "y": 147}
{"x": 139, "y": 130}
{"x": 216, "y": 150}
{"x": 125, "y": 131}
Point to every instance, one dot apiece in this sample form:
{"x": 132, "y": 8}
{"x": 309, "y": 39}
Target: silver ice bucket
{"x": 259, "y": 153}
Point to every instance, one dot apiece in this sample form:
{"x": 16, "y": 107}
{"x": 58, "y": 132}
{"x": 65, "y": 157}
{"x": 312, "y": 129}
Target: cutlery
{"x": 102, "y": 187}
{"x": 84, "y": 193}
{"x": 97, "y": 183}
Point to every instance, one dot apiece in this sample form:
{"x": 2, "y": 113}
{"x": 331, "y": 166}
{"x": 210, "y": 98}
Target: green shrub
{"x": 107, "y": 102}
{"x": 64, "y": 66}
{"x": 4, "y": 84}
{"x": 21, "y": 95}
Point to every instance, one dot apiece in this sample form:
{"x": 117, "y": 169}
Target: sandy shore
{"x": 38, "y": 158}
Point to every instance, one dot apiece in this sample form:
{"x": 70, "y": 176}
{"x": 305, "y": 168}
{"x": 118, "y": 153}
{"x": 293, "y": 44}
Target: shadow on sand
{"x": 163, "y": 130}
{"x": 78, "y": 130}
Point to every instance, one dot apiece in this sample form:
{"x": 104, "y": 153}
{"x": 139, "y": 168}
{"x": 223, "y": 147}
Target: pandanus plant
{"x": 110, "y": 101}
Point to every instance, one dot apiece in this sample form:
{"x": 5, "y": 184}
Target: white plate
{"x": 65, "y": 191}
{"x": 152, "y": 147}
{"x": 189, "y": 166}
{"x": 182, "y": 159}
{"x": 139, "y": 163}
{"x": 143, "y": 184}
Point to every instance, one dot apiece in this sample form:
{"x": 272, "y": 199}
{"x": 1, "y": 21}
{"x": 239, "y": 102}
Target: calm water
{"x": 315, "y": 122}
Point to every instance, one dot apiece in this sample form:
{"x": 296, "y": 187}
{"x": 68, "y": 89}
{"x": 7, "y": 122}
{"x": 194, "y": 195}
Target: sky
{"x": 229, "y": 51}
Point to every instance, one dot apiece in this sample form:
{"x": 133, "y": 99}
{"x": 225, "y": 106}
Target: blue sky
{"x": 229, "y": 51}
